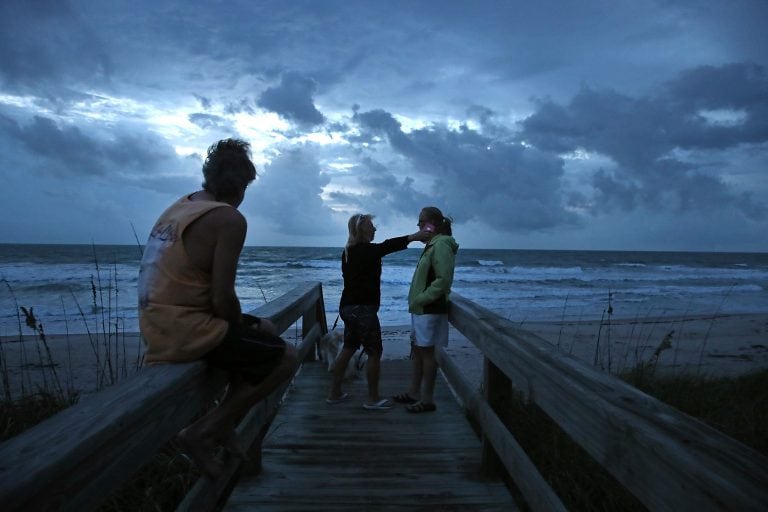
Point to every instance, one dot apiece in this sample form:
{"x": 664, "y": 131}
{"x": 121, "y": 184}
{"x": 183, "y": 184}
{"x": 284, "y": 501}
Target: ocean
{"x": 82, "y": 288}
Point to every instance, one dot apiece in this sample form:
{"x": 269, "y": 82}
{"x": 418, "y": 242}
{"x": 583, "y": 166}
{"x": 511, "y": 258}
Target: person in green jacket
{"x": 428, "y": 304}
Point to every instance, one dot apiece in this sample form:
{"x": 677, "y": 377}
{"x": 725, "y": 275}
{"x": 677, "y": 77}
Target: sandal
{"x": 382, "y": 405}
{"x": 334, "y": 401}
{"x": 421, "y": 407}
{"x": 404, "y": 398}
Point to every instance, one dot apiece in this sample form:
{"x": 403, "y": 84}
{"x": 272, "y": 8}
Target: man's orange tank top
{"x": 175, "y": 309}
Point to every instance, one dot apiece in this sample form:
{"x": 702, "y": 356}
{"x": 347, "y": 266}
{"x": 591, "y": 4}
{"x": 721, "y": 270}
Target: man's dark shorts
{"x": 361, "y": 327}
{"x": 247, "y": 352}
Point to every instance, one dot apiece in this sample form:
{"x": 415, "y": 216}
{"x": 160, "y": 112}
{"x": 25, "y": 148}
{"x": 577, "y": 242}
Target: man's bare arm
{"x": 230, "y": 233}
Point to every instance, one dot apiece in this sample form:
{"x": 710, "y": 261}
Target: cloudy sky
{"x": 615, "y": 124}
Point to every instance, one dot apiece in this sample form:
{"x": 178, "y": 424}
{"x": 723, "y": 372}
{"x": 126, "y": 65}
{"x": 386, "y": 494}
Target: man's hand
{"x": 267, "y": 326}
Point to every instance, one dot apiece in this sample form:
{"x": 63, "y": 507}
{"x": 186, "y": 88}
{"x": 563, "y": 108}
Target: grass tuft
{"x": 736, "y": 406}
{"x": 159, "y": 485}
{"x": 29, "y": 410}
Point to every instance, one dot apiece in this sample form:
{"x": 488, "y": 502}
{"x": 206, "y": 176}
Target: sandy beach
{"x": 723, "y": 345}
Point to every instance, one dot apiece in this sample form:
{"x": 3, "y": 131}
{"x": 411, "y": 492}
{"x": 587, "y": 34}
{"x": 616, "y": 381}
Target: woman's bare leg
{"x": 342, "y": 361}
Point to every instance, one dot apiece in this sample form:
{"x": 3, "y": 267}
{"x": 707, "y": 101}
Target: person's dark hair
{"x": 435, "y": 217}
{"x": 228, "y": 169}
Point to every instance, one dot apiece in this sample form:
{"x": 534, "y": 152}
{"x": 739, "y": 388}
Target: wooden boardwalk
{"x": 341, "y": 457}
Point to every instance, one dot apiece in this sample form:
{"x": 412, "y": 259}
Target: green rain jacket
{"x": 431, "y": 283}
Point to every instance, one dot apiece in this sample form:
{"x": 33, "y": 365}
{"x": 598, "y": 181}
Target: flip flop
{"x": 334, "y": 401}
{"x": 404, "y": 398}
{"x": 419, "y": 407}
{"x": 382, "y": 405}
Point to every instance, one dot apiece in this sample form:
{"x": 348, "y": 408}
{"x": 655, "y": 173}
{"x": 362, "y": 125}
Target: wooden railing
{"x": 666, "y": 459}
{"x": 75, "y": 459}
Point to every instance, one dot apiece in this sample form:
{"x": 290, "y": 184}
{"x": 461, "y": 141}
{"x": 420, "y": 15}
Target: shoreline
{"x": 721, "y": 345}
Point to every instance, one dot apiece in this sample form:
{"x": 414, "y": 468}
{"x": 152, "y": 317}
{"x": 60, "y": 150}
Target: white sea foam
{"x": 490, "y": 263}
{"x": 515, "y": 284}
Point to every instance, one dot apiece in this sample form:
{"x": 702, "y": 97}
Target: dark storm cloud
{"x": 641, "y": 134}
{"x": 241, "y": 106}
{"x": 287, "y": 193}
{"x": 735, "y": 85}
{"x": 293, "y": 99}
{"x": 211, "y": 122}
{"x": 386, "y": 192}
{"x": 69, "y": 152}
{"x": 378, "y": 122}
{"x": 46, "y": 47}
{"x": 477, "y": 177}
{"x": 205, "y": 102}
{"x": 93, "y": 93}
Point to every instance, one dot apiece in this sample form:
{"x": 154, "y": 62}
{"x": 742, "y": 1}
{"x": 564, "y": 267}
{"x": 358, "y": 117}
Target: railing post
{"x": 497, "y": 390}
{"x": 310, "y": 318}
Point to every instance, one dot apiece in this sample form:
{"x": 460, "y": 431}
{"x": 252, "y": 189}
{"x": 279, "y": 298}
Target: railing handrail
{"x": 667, "y": 459}
{"x": 75, "y": 459}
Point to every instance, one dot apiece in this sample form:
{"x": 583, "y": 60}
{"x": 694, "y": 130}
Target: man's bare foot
{"x": 231, "y": 444}
{"x": 202, "y": 452}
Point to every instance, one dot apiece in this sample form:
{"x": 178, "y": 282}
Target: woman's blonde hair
{"x": 353, "y": 225}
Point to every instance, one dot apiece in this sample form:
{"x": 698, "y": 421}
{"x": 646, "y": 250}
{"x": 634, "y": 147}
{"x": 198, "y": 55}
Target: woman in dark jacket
{"x": 360, "y": 300}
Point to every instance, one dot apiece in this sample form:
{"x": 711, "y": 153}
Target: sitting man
{"x": 188, "y": 308}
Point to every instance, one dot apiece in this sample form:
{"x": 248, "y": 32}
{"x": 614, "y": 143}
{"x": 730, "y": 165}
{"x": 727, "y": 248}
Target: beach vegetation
{"x": 736, "y": 406}
{"x": 35, "y": 386}
{"x": 39, "y": 390}
{"x": 161, "y": 484}
{"x": 40, "y": 395}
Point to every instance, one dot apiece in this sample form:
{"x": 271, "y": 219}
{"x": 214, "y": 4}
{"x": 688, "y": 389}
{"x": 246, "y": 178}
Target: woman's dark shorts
{"x": 247, "y": 352}
{"x": 361, "y": 327}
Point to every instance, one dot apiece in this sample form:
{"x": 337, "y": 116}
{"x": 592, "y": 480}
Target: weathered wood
{"x": 667, "y": 459}
{"x": 344, "y": 458}
{"x": 207, "y": 495}
{"x": 74, "y": 459}
{"x": 536, "y": 491}
{"x": 313, "y": 317}
{"x": 341, "y": 457}
{"x": 307, "y": 345}
{"x": 288, "y": 308}
{"x": 496, "y": 388}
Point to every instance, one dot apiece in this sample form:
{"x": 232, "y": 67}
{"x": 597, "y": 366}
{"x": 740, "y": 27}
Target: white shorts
{"x": 429, "y": 330}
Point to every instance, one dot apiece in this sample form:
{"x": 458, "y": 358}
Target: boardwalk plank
{"x": 341, "y": 457}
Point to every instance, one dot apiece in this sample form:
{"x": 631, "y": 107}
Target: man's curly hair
{"x": 228, "y": 169}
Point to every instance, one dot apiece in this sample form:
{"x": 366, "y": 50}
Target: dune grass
{"x": 736, "y": 406}
{"x": 159, "y": 485}
{"x": 44, "y": 390}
